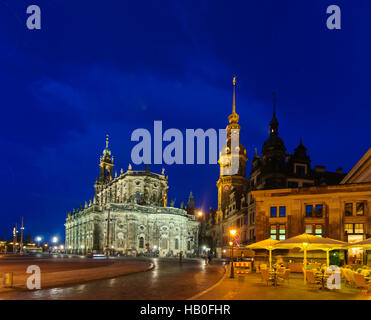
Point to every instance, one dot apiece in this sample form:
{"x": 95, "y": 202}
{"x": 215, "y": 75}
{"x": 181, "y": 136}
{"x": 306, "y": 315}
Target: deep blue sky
{"x": 100, "y": 67}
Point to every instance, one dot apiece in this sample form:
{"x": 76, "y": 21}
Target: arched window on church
{"x": 141, "y": 243}
{"x": 189, "y": 245}
{"x": 176, "y": 244}
{"x": 163, "y": 243}
{"x": 137, "y": 195}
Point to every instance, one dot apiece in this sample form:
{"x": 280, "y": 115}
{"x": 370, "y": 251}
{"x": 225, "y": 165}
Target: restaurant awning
{"x": 267, "y": 244}
{"x": 309, "y": 242}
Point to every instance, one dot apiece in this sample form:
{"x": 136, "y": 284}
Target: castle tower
{"x": 229, "y": 182}
{"x": 274, "y": 155}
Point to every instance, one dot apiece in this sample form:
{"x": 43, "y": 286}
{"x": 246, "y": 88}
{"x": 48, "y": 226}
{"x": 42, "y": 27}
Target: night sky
{"x": 99, "y": 67}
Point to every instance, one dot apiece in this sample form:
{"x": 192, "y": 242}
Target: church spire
{"x": 274, "y": 122}
{"x": 234, "y": 95}
{"x": 107, "y": 151}
{"x": 233, "y": 117}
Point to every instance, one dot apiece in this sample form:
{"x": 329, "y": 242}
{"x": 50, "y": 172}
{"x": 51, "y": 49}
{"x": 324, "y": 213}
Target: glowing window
{"x": 358, "y": 228}
{"x": 308, "y": 228}
{"x": 318, "y": 230}
{"x": 360, "y": 209}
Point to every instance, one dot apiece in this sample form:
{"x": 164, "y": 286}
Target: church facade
{"x": 130, "y": 215}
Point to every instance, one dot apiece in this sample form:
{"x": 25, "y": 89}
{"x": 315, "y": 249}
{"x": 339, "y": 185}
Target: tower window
{"x": 176, "y": 244}
{"x": 137, "y": 195}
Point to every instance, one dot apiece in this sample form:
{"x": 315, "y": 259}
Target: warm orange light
{"x": 200, "y": 213}
{"x": 231, "y": 243}
{"x": 232, "y": 232}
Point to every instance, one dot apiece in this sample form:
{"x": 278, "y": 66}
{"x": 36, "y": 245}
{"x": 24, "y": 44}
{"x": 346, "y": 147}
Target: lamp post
{"x": 21, "y": 242}
{"x": 108, "y": 250}
{"x": 15, "y": 239}
{"x": 38, "y": 239}
{"x": 305, "y": 246}
{"x": 232, "y": 233}
{"x": 54, "y": 240}
{"x": 201, "y": 238}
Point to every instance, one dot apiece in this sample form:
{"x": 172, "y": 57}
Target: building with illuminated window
{"x": 340, "y": 212}
{"x": 130, "y": 215}
{"x": 274, "y": 171}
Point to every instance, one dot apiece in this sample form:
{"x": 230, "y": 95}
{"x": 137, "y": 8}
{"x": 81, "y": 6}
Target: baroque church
{"x": 275, "y": 168}
{"x": 130, "y": 215}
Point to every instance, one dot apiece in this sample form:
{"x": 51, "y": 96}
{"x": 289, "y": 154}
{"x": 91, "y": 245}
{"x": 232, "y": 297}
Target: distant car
{"x": 95, "y": 255}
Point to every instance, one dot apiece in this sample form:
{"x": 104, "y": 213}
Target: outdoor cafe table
{"x": 322, "y": 276}
{"x": 274, "y": 275}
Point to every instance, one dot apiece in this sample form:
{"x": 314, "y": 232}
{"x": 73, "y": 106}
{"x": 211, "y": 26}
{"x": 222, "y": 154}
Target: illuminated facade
{"x": 339, "y": 212}
{"x": 274, "y": 169}
{"x": 140, "y": 220}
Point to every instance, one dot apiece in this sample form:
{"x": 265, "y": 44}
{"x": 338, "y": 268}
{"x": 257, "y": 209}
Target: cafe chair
{"x": 311, "y": 280}
{"x": 361, "y": 283}
{"x": 285, "y": 276}
{"x": 265, "y": 276}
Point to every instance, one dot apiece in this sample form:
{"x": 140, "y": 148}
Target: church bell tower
{"x": 106, "y": 164}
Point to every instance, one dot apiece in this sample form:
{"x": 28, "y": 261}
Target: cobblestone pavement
{"x": 251, "y": 287}
{"x": 168, "y": 280}
{"x": 59, "y": 270}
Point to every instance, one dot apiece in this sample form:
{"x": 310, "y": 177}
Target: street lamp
{"x": 232, "y": 233}
{"x": 54, "y": 239}
{"x": 38, "y": 239}
{"x": 200, "y": 213}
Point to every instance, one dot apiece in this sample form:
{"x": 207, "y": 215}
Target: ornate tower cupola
{"x": 106, "y": 164}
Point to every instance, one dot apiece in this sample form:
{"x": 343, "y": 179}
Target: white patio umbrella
{"x": 267, "y": 244}
{"x": 307, "y": 242}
